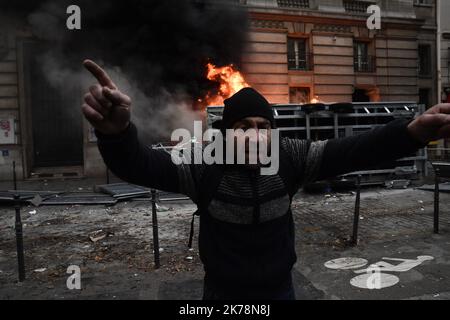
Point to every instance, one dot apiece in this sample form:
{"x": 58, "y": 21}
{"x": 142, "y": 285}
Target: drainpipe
{"x": 442, "y": 143}
{"x": 438, "y": 49}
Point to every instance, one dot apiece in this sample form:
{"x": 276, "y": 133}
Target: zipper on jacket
{"x": 256, "y": 209}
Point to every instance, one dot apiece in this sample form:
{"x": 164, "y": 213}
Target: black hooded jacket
{"x": 240, "y": 253}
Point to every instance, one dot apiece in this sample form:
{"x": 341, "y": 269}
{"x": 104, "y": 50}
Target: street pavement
{"x": 395, "y": 228}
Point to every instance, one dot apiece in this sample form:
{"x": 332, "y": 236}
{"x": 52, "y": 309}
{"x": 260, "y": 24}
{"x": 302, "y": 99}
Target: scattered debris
{"x": 312, "y": 229}
{"x": 397, "y": 184}
{"x": 175, "y": 199}
{"x": 402, "y": 171}
{"x": 189, "y": 258}
{"x": 160, "y": 208}
{"x": 165, "y": 197}
{"x": 121, "y": 191}
{"x": 99, "y": 235}
{"x": 36, "y": 201}
{"x": 32, "y": 212}
{"x": 40, "y": 270}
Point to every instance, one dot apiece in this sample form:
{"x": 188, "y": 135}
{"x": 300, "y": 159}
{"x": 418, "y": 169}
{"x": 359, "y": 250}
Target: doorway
{"x": 424, "y": 97}
{"x": 56, "y": 123}
{"x": 360, "y": 95}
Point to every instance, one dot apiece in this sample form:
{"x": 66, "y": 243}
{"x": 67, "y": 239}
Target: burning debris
{"x": 230, "y": 81}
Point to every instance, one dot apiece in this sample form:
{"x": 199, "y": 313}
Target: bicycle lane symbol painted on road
{"x": 375, "y": 276}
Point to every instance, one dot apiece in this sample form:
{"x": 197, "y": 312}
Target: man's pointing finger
{"x": 116, "y": 97}
{"x": 99, "y": 74}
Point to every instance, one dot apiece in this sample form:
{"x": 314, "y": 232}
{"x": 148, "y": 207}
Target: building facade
{"x": 445, "y": 49}
{"x": 441, "y": 149}
{"x": 322, "y": 49}
{"x": 298, "y": 50}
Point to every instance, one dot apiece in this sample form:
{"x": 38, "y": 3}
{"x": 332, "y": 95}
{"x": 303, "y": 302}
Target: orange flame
{"x": 315, "y": 99}
{"x": 230, "y": 81}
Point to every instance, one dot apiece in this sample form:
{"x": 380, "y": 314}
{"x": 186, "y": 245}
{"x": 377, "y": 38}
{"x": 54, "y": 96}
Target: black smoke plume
{"x": 162, "y": 43}
{"x": 155, "y": 50}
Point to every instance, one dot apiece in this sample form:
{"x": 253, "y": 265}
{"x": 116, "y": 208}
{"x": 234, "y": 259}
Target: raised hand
{"x": 105, "y": 107}
{"x": 433, "y": 125}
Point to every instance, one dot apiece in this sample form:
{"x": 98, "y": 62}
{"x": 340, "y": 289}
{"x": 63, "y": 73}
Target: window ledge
{"x": 360, "y": 73}
{"x": 301, "y": 71}
{"x": 423, "y": 5}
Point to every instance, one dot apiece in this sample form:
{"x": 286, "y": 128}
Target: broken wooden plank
{"x": 122, "y": 191}
{"x": 80, "y": 199}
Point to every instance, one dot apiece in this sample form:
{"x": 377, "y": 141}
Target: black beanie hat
{"x": 246, "y": 103}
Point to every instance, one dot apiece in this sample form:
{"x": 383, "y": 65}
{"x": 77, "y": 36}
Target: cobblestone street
{"x": 393, "y": 223}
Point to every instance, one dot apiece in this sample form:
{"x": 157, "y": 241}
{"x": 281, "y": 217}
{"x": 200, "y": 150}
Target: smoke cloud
{"x": 156, "y": 50}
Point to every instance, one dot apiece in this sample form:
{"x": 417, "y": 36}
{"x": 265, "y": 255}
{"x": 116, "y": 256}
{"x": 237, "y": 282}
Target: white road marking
{"x": 374, "y": 281}
{"x": 374, "y": 276}
{"x": 346, "y": 263}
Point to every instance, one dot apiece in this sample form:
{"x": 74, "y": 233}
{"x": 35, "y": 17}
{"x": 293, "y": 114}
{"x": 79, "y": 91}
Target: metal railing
{"x": 356, "y": 6}
{"x": 438, "y": 154}
{"x": 297, "y": 121}
{"x": 364, "y": 63}
{"x": 300, "y": 61}
{"x": 293, "y": 3}
{"x": 423, "y": 2}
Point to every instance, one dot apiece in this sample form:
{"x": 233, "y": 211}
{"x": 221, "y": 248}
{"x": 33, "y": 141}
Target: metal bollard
{"x": 107, "y": 175}
{"x": 14, "y": 175}
{"x": 155, "y": 230}
{"x": 354, "y": 240}
{"x": 436, "y": 201}
{"x": 19, "y": 239}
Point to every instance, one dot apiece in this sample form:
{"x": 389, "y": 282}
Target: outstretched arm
{"x": 108, "y": 110}
{"x": 364, "y": 151}
{"x": 393, "y": 141}
{"x": 134, "y": 162}
{"x": 325, "y": 159}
